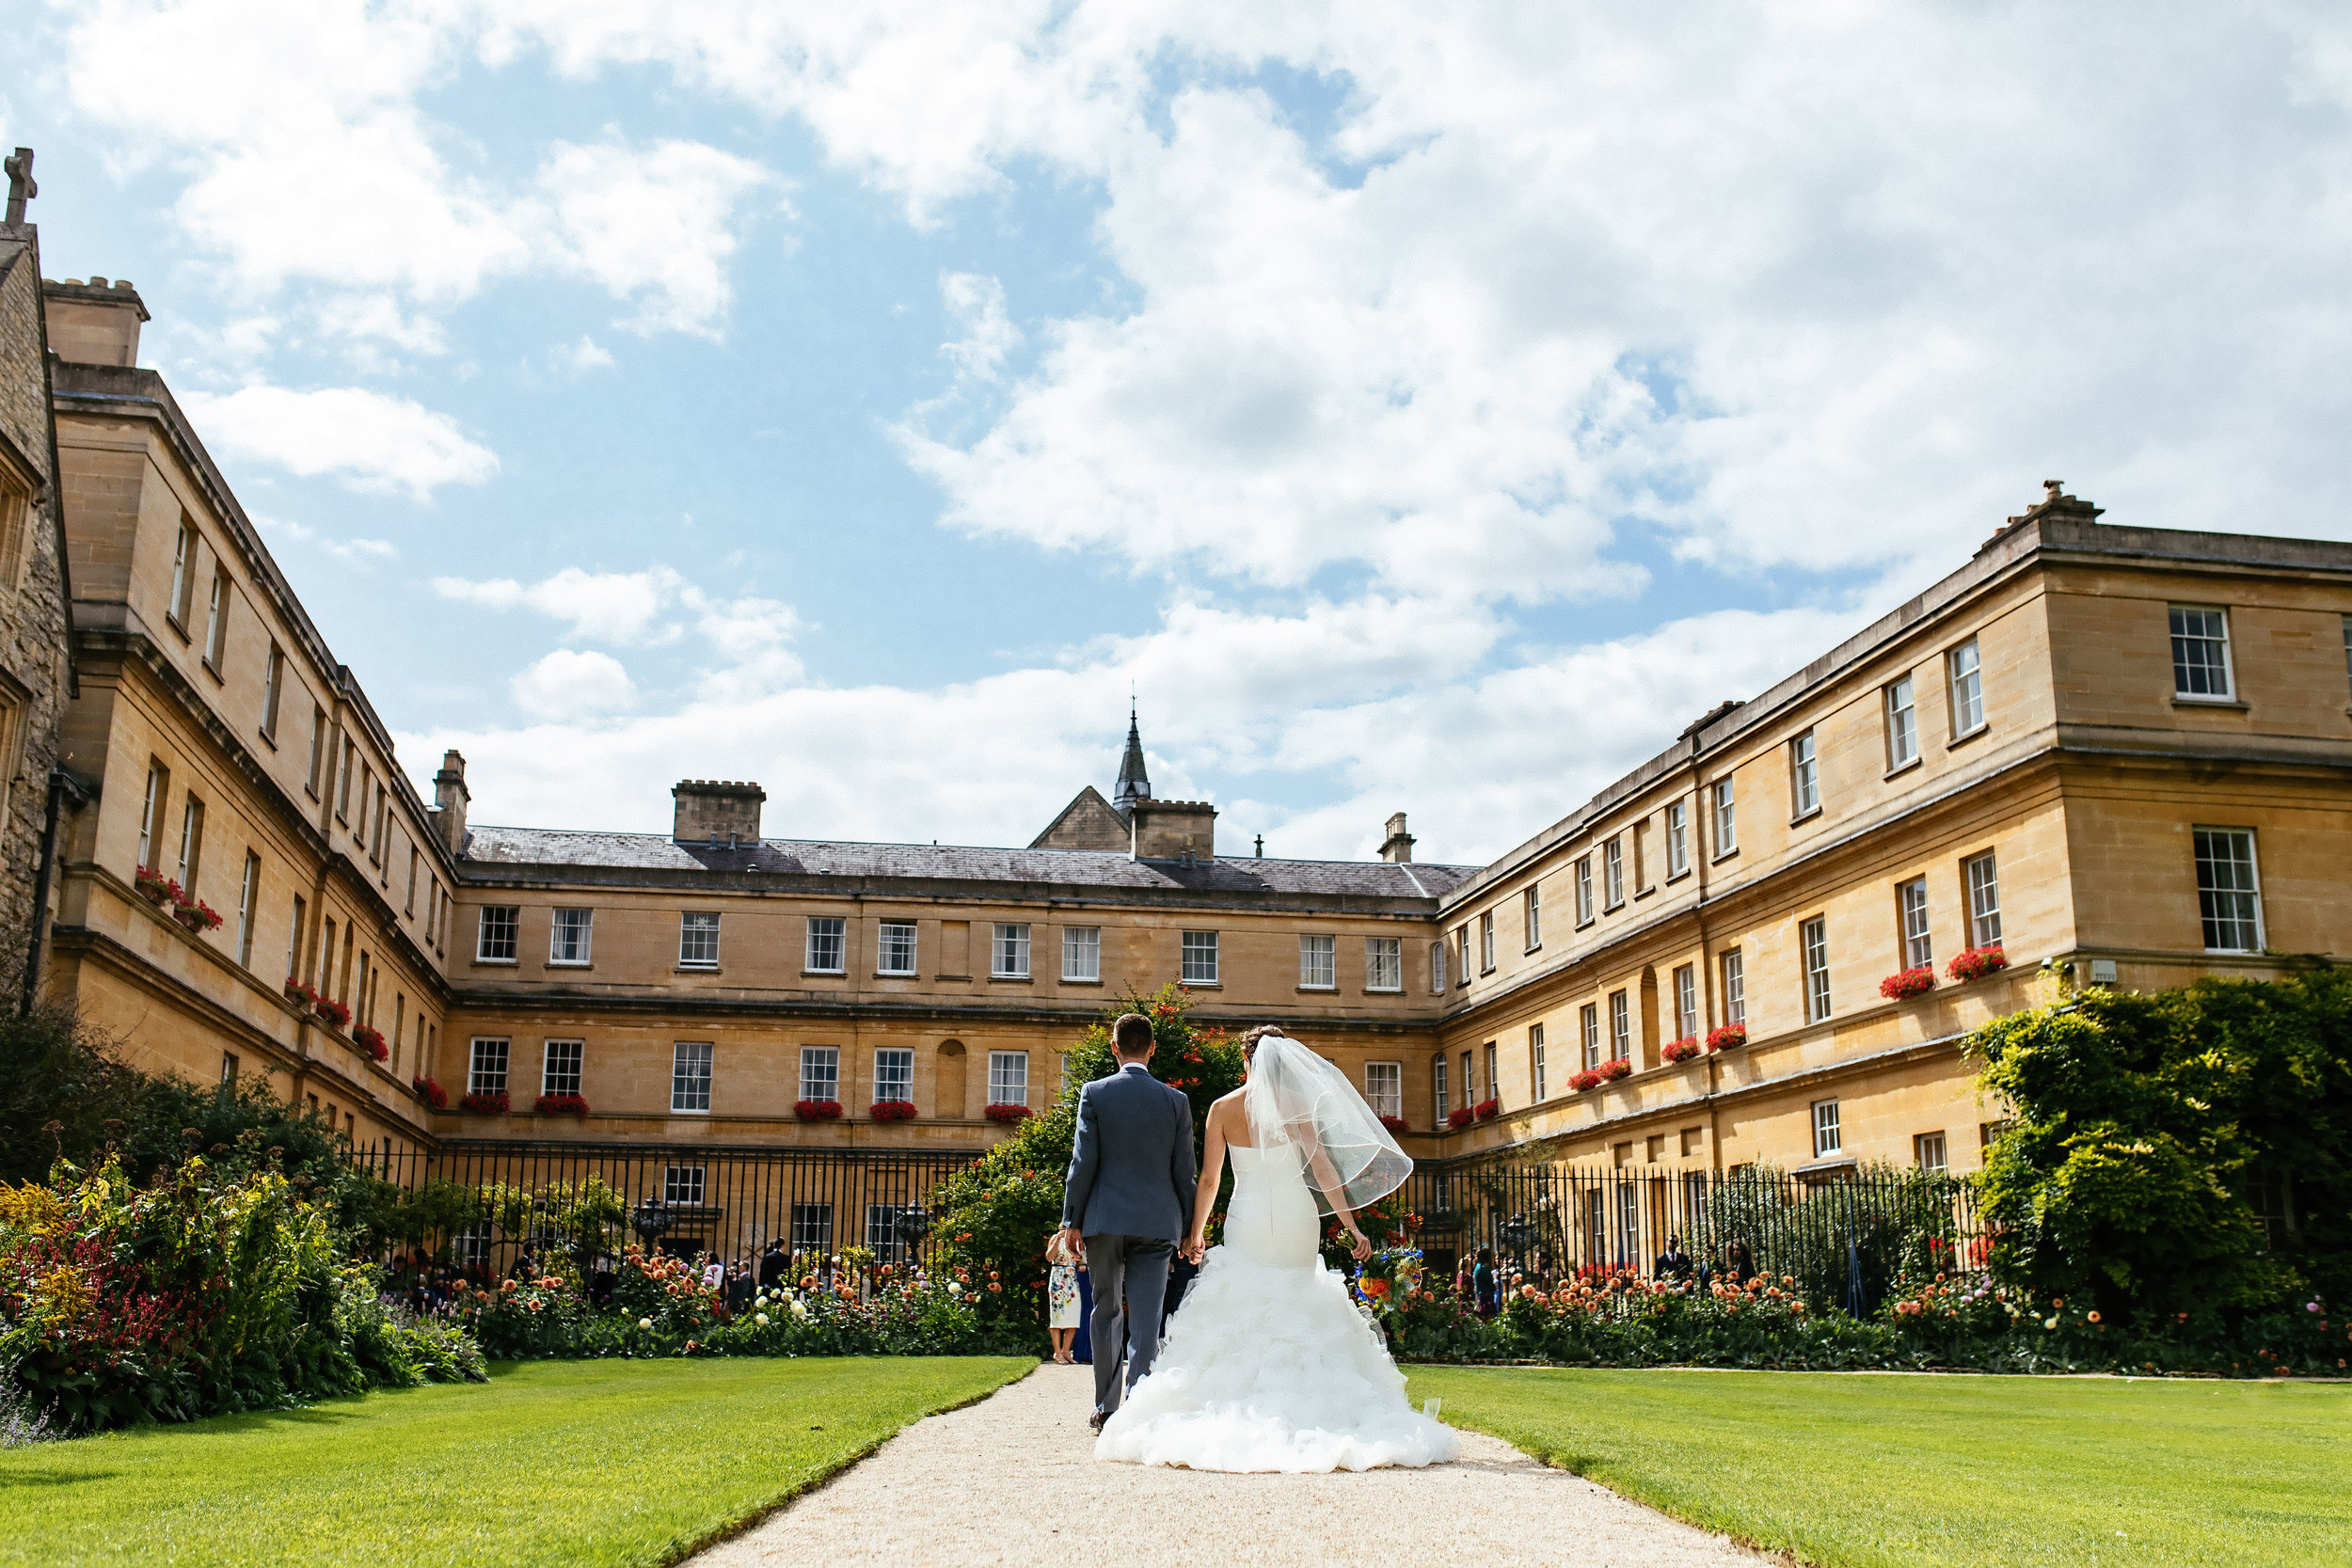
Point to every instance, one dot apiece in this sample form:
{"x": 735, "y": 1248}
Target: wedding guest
{"x": 1462, "y": 1277}
{"x": 738, "y": 1288}
{"x": 1061, "y": 1293}
{"x": 772, "y": 1263}
{"x": 1672, "y": 1263}
{"x": 1082, "y": 1347}
{"x": 714, "y": 1272}
{"x": 1739, "y": 1261}
{"x": 1482, "y": 1281}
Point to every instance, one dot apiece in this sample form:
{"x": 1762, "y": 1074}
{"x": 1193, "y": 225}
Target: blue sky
{"x": 1417, "y": 410}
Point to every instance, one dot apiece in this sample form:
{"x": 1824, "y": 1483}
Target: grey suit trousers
{"x": 1132, "y": 1269}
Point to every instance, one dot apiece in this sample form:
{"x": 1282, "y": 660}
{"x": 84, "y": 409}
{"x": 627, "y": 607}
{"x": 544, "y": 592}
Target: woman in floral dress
{"x": 1061, "y": 1293}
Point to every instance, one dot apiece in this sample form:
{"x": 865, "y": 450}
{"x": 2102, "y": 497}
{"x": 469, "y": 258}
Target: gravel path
{"x": 1013, "y": 1479}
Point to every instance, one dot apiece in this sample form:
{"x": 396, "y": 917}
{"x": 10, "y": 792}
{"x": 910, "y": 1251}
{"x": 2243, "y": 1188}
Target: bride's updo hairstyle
{"x": 1249, "y": 1041}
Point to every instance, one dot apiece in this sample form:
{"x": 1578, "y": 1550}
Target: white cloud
{"x": 602, "y": 606}
{"x": 584, "y": 355}
{"x": 371, "y": 441}
{"x": 652, "y": 225}
{"x": 570, "y": 685}
{"x": 977, "y": 303}
{"x": 365, "y": 554}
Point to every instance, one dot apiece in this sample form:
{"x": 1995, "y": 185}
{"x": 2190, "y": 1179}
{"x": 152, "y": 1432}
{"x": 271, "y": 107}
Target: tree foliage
{"x": 2176, "y": 1151}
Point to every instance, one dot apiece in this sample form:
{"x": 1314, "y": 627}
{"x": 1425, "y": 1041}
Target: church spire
{"x": 1134, "y": 783}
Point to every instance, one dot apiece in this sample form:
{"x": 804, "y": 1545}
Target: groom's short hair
{"x": 1132, "y": 1034}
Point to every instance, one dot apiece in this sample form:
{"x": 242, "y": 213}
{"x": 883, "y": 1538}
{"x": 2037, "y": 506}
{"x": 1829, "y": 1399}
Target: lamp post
{"x": 649, "y": 1220}
{"x": 912, "y": 1224}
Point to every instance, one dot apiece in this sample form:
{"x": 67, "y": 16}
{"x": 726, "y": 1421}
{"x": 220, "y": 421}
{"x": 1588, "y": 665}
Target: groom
{"x": 1129, "y": 1195}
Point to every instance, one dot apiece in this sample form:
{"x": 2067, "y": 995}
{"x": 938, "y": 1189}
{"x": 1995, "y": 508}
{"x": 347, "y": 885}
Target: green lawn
{"x": 555, "y": 1462}
{"x": 1849, "y": 1470}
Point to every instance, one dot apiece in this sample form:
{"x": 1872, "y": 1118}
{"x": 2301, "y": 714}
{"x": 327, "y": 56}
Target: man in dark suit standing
{"x": 1128, "y": 1196}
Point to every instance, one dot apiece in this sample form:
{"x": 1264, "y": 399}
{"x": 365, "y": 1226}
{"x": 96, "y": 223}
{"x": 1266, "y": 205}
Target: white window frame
{"x": 1437, "y": 968}
{"x": 1532, "y": 915}
{"x": 1082, "y": 954}
{"x": 1620, "y": 1026}
{"x": 486, "y": 1064}
{"x": 684, "y": 1185}
{"x": 1384, "y": 1088}
{"x": 1487, "y": 942}
{"x": 563, "y": 1061}
{"x": 1007, "y": 1078}
{"x": 1733, "y": 965}
{"x": 1912, "y": 924}
{"x": 1902, "y": 724}
{"x": 1318, "y": 962}
{"x": 1009, "y": 950}
{"x": 898, "y": 947}
{"x": 2212, "y": 917}
{"x": 812, "y": 1227}
{"x": 693, "y": 951}
{"x": 893, "y": 1073}
{"x": 1981, "y": 877}
{"x": 821, "y": 1073}
{"x": 828, "y": 937}
{"x": 1813, "y": 951}
{"x": 692, "y": 1067}
{"x": 1678, "y": 838}
{"x": 1727, "y": 818}
{"x": 1588, "y": 1026}
{"x": 582, "y": 925}
{"x": 1535, "y": 1075}
{"x": 1198, "y": 958}
{"x": 1384, "y": 964}
{"x": 1804, "y": 775}
{"x": 158, "y": 791}
{"x": 1583, "y": 890}
{"x": 183, "y": 561}
{"x": 1438, "y": 1087}
{"x": 1964, "y": 675}
{"x": 1612, "y": 873}
{"x": 1686, "y": 983}
{"x": 248, "y": 899}
{"x": 2184, "y": 674}
{"x": 191, "y": 842}
{"x": 217, "y": 619}
{"x": 273, "y": 690}
{"x": 1829, "y": 1136}
{"x": 1926, "y": 1144}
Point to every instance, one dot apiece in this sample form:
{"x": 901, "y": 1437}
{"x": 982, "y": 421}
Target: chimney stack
{"x": 449, "y": 801}
{"x": 95, "y": 322}
{"x": 1398, "y": 847}
{"x": 714, "y": 811}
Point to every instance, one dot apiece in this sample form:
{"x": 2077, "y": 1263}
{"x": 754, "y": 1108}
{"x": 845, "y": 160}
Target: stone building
{"x": 35, "y": 658}
{"x": 2122, "y": 754}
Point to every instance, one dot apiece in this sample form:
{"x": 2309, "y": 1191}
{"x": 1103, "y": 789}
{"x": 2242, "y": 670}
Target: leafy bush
{"x": 2182, "y": 1151}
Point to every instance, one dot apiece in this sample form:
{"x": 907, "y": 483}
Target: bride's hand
{"x": 1195, "y": 1246}
{"x": 1362, "y": 1250}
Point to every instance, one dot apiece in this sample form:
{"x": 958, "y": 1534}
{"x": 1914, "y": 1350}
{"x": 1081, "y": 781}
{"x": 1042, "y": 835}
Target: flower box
{"x": 1729, "y": 1037}
{"x": 1908, "y": 983}
{"x": 331, "y": 1011}
{"x": 1681, "y": 1050}
{"x": 154, "y": 886}
{"x": 1488, "y": 1108}
{"x": 1008, "y": 1113}
{"x": 560, "y": 1105}
{"x": 1976, "y": 963}
{"x": 1585, "y": 1079}
{"x": 486, "y": 1104}
{"x": 1396, "y": 1124}
{"x": 818, "y": 1110}
{"x": 430, "y": 1093}
{"x": 197, "y": 916}
{"x": 371, "y": 1041}
{"x": 894, "y": 1110}
{"x": 1460, "y": 1116}
{"x": 1616, "y": 1067}
{"x": 299, "y": 995}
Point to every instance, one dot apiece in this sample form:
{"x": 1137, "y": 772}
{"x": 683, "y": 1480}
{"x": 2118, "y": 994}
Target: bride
{"x": 1269, "y": 1366}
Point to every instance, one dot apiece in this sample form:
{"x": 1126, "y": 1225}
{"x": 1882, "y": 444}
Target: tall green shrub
{"x": 2176, "y": 1151}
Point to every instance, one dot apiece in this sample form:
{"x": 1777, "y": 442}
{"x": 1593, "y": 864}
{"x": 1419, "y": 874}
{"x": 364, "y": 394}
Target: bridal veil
{"x": 1295, "y": 1096}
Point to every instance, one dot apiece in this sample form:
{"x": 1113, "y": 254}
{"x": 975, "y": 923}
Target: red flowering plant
{"x": 153, "y": 884}
{"x": 1461, "y": 1115}
{"x": 1616, "y": 1067}
{"x": 817, "y": 1110}
{"x": 894, "y": 1110}
{"x": 331, "y": 1011}
{"x": 1728, "y": 1037}
{"x": 486, "y": 1103}
{"x": 300, "y": 995}
{"x": 1975, "y": 963}
{"x": 1681, "y": 1050}
{"x": 1908, "y": 983}
{"x": 197, "y": 915}
{"x": 1396, "y": 1124}
{"x": 370, "y": 1041}
{"x": 560, "y": 1105}
{"x": 430, "y": 1092}
{"x": 1584, "y": 1079}
{"x": 1488, "y": 1108}
{"x": 1008, "y": 1112}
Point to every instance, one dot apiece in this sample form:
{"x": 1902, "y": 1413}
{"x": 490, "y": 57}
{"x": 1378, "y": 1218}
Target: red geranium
{"x": 1488, "y": 1108}
{"x": 1396, "y": 1124}
{"x": 894, "y": 1110}
{"x": 818, "y": 1110}
{"x": 1730, "y": 1036}
{"x": 1977, "y": 962}
{"x": 372, "y": 1042}
{"x": 560, "y": 1105}
{"x": 482, "y": 1104}
{"x": 430, "y": 1092}
{"x": 1009, "y": 1113}
{"x": 1908, "y": 983}
{"x": 333, "y": 1011}
{"x": 1616, "y": 1067}
{"x": 1460, "y": 1116}
{"x": 1681, "y": 1050}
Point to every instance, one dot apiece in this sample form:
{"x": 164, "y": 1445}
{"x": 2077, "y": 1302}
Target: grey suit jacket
{"x": 1131, "y": 1170}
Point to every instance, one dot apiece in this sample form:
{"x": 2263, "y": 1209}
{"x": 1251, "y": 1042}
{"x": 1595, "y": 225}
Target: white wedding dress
{"x": 1269, "y": 1365}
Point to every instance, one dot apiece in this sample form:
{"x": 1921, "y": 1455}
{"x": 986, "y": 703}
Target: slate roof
{"x": 557, "y": 849}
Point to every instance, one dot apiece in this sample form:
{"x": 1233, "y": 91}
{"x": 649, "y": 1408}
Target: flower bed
{"x": 1009, "y": 1113}
{"x": 1976, "y": 963}
{"x": 560, "y": 1105}
{"x": 331, "y": 1012}
{"x": 1681, "y": 1050}
{"x": 1488, "y": 1108}
{"x": 1908, "y": 983}
{"x": 894, "y": 1110}
{"x": 818, "y": 1110}
{"x": 1615, "y": 1069}
{"x": 1396, "y": 1124}
{"x": 1728, "y": 1037}
{"x": 482, "y": 1104}
{"x": 1461, "y": 1115}
{"x": 372, "y": 1042}
{"x": 430, "y": 1092}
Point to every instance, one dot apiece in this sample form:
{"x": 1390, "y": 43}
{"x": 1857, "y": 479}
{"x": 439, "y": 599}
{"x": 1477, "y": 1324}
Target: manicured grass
{"x": 1851, "y": 1471}
{"x": 555, "y": 1462}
